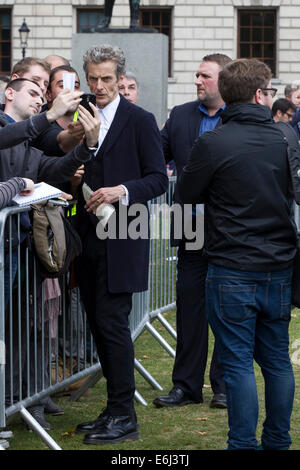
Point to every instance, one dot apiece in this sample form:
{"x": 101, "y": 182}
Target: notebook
{"x": 42, "y": 192}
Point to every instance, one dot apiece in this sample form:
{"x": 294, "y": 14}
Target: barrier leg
{"x": 38, "y": 429}
{"x": 160, "y": 339}
{"x": 139, "y": 398}
{"x": 167, "y": 325}
{"x": 146, "y": 375}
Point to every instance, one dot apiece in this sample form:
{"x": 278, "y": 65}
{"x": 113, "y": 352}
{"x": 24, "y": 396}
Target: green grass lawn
{"x": 192, "y": 427}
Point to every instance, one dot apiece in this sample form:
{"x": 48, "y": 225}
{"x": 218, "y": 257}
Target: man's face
{"x": 37, "y": 74}
{"x": 284, "y": 117}
{"x": 295, "y": 98}
{"x": 102, "y": 81}
{"x": 26, "y": 102}
{"x": 207, "y": 83}
{"x": 57, "y": 85}
{"x": 128, "y": 88}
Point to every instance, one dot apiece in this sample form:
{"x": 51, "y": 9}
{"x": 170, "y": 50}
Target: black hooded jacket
{"x": 241, "y": 172}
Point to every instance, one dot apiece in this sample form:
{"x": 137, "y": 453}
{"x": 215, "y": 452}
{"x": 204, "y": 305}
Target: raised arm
{"x": 15, "y": 133}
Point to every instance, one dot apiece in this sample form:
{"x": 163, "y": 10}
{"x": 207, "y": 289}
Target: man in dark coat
{"x": 241, "y": 172}
{"x": 128, "y": 167}
{"x": 185, "y": 123}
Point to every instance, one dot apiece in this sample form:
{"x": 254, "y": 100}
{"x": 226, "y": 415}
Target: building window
{"x": 88, "y": 19}
{"x": 160, "y": 19}
{"x": 257, "y": 36}
{"x": 5, "y": 41}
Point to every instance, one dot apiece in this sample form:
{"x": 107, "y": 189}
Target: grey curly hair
{"x": 102, "y": 53}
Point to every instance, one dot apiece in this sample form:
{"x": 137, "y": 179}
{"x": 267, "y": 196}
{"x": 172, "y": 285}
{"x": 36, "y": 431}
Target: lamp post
{"x": 23, "y": 32}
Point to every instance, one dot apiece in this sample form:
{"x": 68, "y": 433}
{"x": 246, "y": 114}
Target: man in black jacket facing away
{"x": 241, "y": 172}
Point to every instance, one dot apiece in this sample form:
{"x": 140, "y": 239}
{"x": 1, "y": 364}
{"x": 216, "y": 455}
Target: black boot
{"x": 113, "y": 429}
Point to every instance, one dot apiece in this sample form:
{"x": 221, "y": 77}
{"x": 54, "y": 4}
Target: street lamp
{"x": 24, "y": 32}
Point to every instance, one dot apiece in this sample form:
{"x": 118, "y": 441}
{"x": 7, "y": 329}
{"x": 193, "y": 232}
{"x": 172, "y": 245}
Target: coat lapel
{"x": 121, "y": 117}
{"x": 194, "y": 123}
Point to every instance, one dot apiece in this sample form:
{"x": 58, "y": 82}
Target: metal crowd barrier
{"x": 45, "y": 343}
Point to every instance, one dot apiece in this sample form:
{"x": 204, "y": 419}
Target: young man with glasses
{"x": 283, "y": 110}
{"x": 240, "y": 171}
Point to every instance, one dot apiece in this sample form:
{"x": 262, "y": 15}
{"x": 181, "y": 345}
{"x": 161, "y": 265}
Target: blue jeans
{"x": 249, "y": 313}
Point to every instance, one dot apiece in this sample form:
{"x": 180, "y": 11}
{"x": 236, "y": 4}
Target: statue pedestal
{"x": 146, "y": 56}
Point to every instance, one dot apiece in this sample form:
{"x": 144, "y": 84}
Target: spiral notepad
{"x": 42, "y": 192}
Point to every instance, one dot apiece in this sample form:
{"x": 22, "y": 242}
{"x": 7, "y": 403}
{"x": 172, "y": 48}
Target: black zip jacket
{"x": 23, "y": 130}
{"x": 241, "y": 172}
{"x": 39, "y": 167}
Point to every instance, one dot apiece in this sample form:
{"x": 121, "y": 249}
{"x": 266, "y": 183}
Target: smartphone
{"x": 87, "y": 98}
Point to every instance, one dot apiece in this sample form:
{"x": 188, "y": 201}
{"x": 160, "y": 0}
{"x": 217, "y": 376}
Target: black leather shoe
{"x": 113, "y": 429}
{"x": 219, "y": 400}
{"x": 90, "y": 426}
{"x": 176, "y": 397}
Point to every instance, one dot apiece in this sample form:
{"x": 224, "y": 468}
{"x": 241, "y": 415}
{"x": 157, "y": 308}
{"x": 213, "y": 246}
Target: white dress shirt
{"x": 107, "y": 115}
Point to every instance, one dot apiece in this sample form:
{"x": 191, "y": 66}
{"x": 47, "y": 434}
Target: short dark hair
{"x": 220, "y": 59}
{"x": 66, "y": 68}
{"x": 24, "y": 65}
{"x": 283, "y": 105}
{"x": 240, "y": 79}
{"x": 18, "y": 83}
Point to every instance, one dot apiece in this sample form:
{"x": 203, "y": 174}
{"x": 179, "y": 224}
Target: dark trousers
{"x": 107, "y": 315}
{"x": 192, "y": 327}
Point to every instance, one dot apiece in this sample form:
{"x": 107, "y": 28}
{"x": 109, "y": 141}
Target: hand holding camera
{"x": 91, "y": 123}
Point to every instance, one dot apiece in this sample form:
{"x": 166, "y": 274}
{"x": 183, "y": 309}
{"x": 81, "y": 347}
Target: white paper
{"x": 69, "y": 81}
{"x": 104, "y": 211}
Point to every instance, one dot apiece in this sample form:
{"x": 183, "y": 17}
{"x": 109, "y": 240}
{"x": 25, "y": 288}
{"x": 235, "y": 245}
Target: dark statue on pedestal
{"x": 108, "y": 7}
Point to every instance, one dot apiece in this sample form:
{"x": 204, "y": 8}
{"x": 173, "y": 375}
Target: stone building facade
{"x": 195, "y": 28}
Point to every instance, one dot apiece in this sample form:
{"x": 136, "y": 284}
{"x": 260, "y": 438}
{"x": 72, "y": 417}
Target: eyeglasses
{"x": 272, "y": 91}
{"x": 289, "y": 115}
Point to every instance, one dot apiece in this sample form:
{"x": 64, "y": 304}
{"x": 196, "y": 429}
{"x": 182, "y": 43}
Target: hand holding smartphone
{"x": 86, "y": 99}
